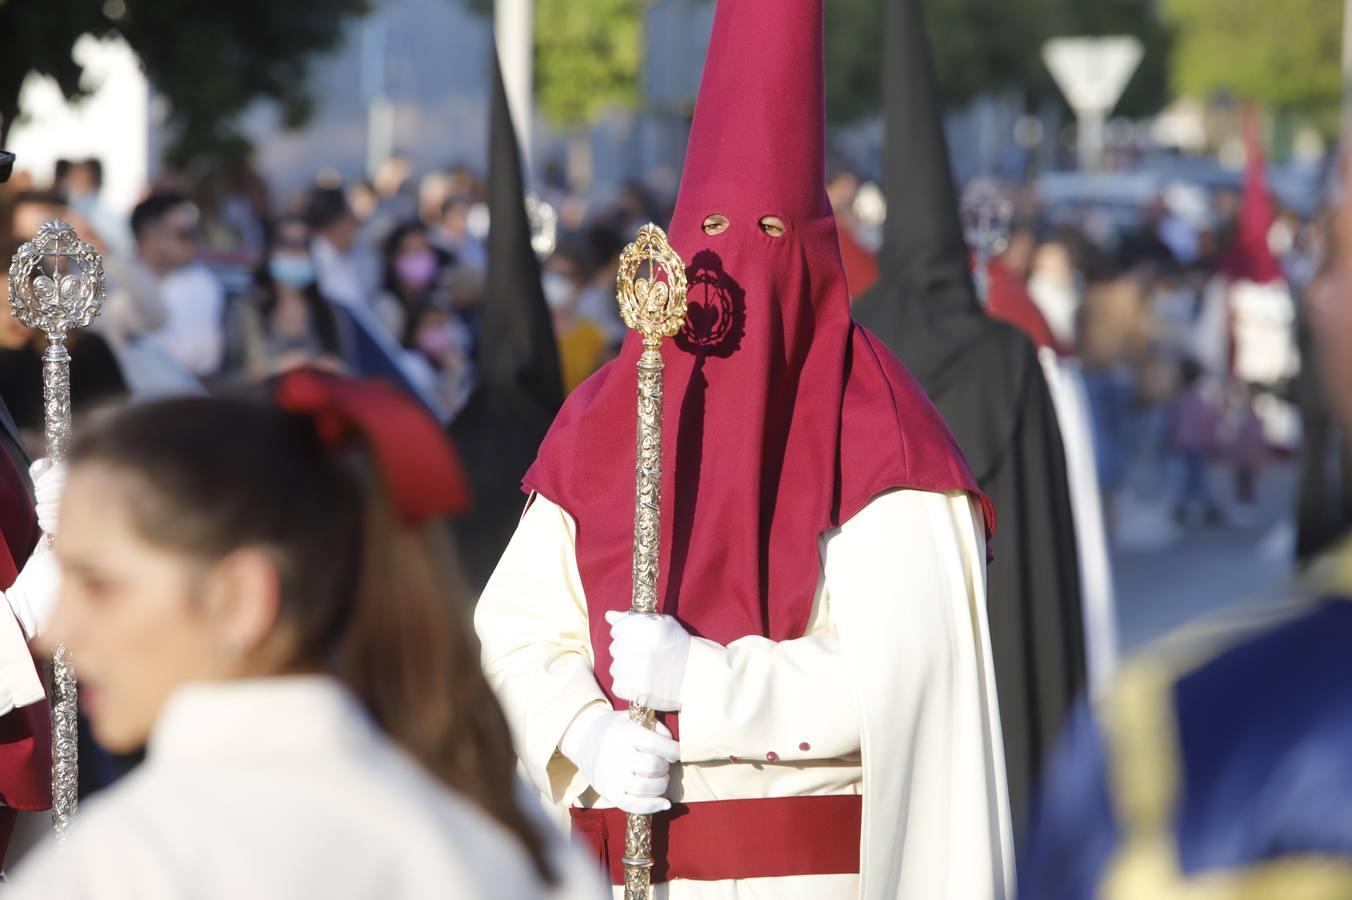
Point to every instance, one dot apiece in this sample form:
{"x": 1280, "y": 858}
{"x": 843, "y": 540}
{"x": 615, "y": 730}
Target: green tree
{"x": 985, "y": 45}
{"x": 1284, "y": 54}
{"x": 210, "y": 59}
{"x": 587, "y": 58}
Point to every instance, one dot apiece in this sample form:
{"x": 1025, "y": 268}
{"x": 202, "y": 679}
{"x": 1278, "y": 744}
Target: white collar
{"x": 297, "y": 715}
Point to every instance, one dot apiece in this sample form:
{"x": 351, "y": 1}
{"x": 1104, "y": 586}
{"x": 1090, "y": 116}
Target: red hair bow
{"x": 415, "y": 457}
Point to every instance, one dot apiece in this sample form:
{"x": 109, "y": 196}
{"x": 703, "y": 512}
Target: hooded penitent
{"x": 782, "y": 417}
{"x": 520, "y": 387}
{"x": 985, "y": 379}
{"x": 1250, "y": 257}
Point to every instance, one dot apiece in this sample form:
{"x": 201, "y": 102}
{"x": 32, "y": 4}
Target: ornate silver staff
{"x": 654, "y": 306}
{"x": 56, "y": 284}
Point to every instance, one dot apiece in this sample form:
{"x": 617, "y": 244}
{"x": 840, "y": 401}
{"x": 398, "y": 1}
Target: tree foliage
{"x": 985, "y": 45}
{"x": 209, "y": 59}
{"x": 1282, "y": 54}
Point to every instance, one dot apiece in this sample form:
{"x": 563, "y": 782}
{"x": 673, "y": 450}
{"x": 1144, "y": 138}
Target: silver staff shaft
{"x": 56, "y": 284}
{"x": 655, "y": 307}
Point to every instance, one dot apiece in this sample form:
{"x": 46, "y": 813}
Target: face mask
{"x": 558, "y": 289}
{"x": 83, "y": 204}
{"x": 416, "y": 269}
{"x": 436, "y": 340}
{"x": 293, "y": 271}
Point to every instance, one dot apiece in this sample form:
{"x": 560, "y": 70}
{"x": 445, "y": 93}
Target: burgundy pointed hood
{"x": 1250, "y": 257}
{"x": 783, "y": 418}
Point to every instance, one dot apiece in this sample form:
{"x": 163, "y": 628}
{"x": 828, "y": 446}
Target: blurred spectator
{"x": 166, "y": 229}
{"x": 394, "y": 199}
{"x": 635, "y": 206}
{"x": 1208, "y": 257}
{"x": 440, "y": 345}
{"x": 80, "y": 184}
{"x": 289, "y": 323}
{"x": 596, "y": 299}
{"x": 433, "y": 190}
{"x": 455, "y": 236}
{"x": 1177, "y": 234}
{"x": 1017, "y": 258}
{"x": 362, "y": 200}
{"x": 1113, "y": 331}
{"x": 1248, "y": 451}
{"x": 1145, "y": 245}
{"x": 244, "y": 207}
{"x": 412, "y": 270}
{"x": 582, "y": 343}
{"x": 861, "y": 266}
{"x": 96, "y": 379}
{"x": 333, "y": 247}
{"x": 1194, "y": 426}
{"x": 1056, "y": 288}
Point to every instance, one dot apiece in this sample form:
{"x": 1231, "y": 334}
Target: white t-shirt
{"x": 193, "y": 335}
{"x": 283, "y": 788}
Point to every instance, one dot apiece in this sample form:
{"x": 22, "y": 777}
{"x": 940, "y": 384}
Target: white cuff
{"x": 32, "y": 596}
{"x": 20, "y": 684}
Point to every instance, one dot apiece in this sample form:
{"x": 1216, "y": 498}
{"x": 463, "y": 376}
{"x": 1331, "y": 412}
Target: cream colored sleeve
{"x": 532, "y": 623}
{"x": 20, "y": 684}
{"x": 762, "y": 700}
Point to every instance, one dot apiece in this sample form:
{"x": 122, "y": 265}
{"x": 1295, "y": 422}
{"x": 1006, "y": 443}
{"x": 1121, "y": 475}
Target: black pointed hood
{"x": 518, "y": 358}
{"x": 924, "y": 249}
{"x": 924, "y": 306}
{"x": 520, "y": 385}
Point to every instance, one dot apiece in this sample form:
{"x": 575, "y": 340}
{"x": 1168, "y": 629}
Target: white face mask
{"x": 559, "y": 290}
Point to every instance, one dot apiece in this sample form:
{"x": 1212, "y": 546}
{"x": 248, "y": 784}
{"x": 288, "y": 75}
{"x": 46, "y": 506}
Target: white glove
{"x": 626, "y": 763}
{"x": 49, "y": 483}
{"x": 648, "y": 658}
{"x": 33, "y": 595}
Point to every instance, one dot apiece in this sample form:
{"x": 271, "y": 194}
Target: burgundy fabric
{"x": 25, "y": 733}
{"x": 1009, "y": 301}
{"x": 416, "y": 460}
{"x": 861, "y": 266}
{"x": 1250, "y": 257}
{"x": 727, "y": 840}
{"x": 782, "y": 417}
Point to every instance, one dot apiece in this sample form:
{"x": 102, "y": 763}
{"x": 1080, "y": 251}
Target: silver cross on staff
{"x": 986, "y": 218}
{"x": 56, "y": 284}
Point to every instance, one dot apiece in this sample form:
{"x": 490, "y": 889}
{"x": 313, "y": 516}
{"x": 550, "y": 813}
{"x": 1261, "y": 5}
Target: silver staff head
{"x": 56, "y": 281}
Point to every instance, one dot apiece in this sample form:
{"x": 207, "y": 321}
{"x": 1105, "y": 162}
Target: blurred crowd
{"x": 218, "y": 280}
{"x": 1188, "y": 334}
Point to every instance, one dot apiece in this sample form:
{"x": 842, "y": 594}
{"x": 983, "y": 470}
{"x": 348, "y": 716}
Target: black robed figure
{"x": 985, "y": 379}
{"x": 520, "y": 386}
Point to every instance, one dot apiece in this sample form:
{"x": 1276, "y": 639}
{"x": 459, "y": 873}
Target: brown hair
{"x": 374, "y": 602}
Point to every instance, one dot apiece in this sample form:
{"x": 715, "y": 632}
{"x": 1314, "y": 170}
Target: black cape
{"x": 520, "y": 385}
{"x": 985, "y": 379}
{"x": 1324, "y": 494}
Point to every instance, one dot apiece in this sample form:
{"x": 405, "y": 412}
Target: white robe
{"x": 283, "y": 788}
{"x": 891, "y": 687}
{"x": 1065, "y": 381}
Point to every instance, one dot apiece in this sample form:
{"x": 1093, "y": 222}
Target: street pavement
{"x": 1168, "y": 577}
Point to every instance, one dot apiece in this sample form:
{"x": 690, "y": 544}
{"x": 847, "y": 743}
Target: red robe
{"x": 1010, "y": 302}
{"x": 26, "y": 733}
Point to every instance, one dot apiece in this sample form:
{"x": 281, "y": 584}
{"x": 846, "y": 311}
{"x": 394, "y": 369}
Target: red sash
{"x": 727, "y": 840}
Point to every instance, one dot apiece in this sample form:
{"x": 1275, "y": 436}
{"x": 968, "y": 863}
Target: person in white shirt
{"x": 335, "y": 249}
{"x": 258, "y": 591}
{"x": 193, "y": 334}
